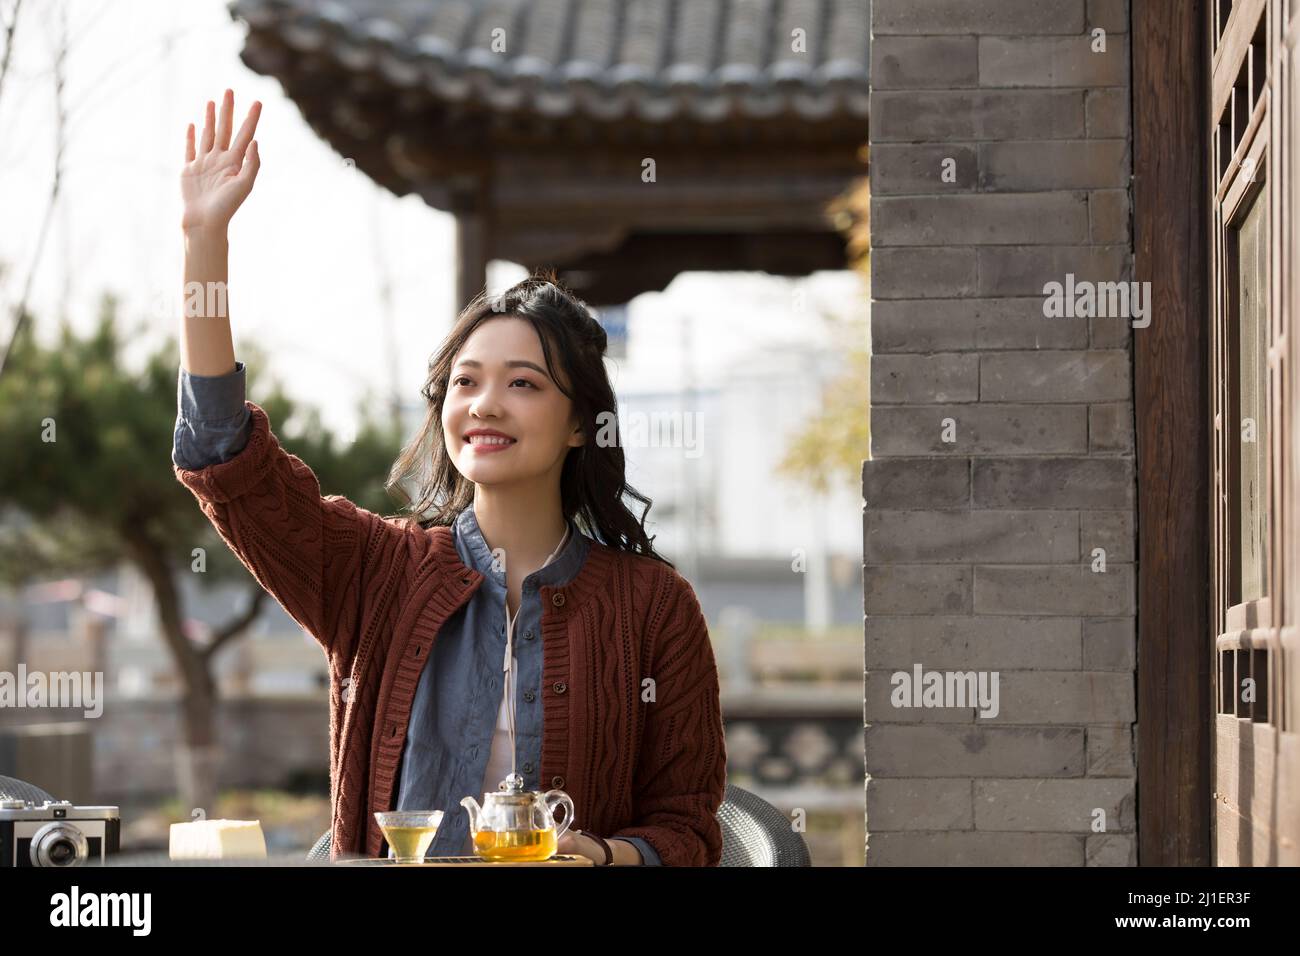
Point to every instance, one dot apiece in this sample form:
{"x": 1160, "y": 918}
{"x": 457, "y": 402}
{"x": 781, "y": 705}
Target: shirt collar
{"x": 474, "y": 551}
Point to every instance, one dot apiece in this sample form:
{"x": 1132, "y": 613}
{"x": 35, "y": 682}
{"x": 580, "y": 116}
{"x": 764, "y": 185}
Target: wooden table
{"x": 156, "y": 858}
{"x": 558, "y": 860}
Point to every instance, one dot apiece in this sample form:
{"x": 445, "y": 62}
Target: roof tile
{"x": 706, "y": 59}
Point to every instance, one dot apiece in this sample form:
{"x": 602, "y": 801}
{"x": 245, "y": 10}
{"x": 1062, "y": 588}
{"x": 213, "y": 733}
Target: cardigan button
{"x": 558, "y": 599}
{"x": 557, "y": 781}
{"x": 560, "y": 686}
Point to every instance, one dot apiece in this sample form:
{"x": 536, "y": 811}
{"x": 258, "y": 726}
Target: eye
{"x": 462, "y": 378}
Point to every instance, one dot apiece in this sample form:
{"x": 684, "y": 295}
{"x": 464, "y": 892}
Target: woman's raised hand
{"x": 219, "y": 174}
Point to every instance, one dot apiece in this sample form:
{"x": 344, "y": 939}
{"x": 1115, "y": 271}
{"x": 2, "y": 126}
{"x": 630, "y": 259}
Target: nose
{"x": 485, "y": 404}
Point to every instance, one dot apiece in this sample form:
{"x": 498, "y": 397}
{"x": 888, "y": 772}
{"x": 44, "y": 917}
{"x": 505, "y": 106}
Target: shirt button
{"x": 528, "y": 636}
{"x": 557, "y": 781}
{"x": 528, "y": 768}
{"x": 560, "y": 686}
{"x": 529, "y": 695}
{"x": 557, "y": 599}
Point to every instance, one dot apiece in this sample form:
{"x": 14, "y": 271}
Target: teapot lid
{"x": 511, "y": 791}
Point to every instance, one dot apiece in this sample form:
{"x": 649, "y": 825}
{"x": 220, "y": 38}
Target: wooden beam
{"x": 472, "y": 243}
{"x": 648, "y": 262}
{"x": 1171, "y": 250}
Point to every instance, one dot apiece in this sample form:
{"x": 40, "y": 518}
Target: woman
{"x": 517, "y": 623}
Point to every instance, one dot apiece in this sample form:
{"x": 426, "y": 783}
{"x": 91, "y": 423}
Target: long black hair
{"x": 593, "y": 481}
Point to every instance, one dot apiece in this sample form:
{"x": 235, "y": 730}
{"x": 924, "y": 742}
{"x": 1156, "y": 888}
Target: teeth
{"x": 489, "y": 440}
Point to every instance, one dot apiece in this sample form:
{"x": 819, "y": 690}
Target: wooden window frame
{"x": 1240, "y": 192}
{"x": 1243, "y": 118}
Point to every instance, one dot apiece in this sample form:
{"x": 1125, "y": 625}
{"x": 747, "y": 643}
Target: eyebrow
{"x": 513, "y": 363}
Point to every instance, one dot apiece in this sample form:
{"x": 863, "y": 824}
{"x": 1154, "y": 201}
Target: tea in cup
{"x": 409, "y": 832}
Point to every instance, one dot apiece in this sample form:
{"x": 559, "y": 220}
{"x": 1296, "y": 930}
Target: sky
{"x": 313, "y": 244}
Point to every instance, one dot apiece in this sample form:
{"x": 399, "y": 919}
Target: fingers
{"x": 227, "y": 119}
{"x": 216, "y": 133}
{"x": 245, "y": 134}
{"x": 251, "y": 165}
{"x": 209, "y": 127}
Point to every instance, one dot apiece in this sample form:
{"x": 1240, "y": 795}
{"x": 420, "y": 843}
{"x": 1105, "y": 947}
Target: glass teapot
{"x": 515, "y": 824}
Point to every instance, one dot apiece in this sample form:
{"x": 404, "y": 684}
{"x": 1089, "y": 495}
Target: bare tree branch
{"x": 8, "y": 29}
{"x": 236, "y": 626}
{"x": 60, "y": 140}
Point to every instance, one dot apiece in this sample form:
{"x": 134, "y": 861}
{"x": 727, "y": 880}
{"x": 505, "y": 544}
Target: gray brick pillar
{"x": 999, "y": 518}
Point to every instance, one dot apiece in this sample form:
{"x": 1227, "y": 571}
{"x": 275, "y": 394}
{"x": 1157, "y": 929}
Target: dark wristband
{"x": 609, "y": 851}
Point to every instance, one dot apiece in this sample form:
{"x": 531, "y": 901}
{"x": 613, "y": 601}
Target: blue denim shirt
{"x": 212, "y": 422}
{"x": 454, "y": 713}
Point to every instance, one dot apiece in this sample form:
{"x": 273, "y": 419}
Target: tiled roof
{"x": 649, "y": 59}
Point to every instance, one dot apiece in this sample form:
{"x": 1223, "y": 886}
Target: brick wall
{"x": 979, "y": 550}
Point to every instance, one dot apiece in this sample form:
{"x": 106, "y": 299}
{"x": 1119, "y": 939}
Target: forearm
{"x": 207, "y": 347}
{"x": 625, "y": 854}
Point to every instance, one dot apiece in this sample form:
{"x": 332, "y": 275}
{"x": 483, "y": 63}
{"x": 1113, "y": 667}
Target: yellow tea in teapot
{"x": 515, "y": 845}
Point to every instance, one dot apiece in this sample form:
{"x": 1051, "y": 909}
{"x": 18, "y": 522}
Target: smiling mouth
{"x": 489, "y": 441}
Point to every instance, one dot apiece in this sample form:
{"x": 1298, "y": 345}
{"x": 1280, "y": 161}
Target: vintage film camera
{"x": 36, "y": 830}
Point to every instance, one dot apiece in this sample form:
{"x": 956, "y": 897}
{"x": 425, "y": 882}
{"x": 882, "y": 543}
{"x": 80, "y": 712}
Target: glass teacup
{"x": 409, "y": 832}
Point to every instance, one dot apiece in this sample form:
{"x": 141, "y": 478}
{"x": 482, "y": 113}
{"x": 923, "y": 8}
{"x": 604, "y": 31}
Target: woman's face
{"x": 499, "y": 384}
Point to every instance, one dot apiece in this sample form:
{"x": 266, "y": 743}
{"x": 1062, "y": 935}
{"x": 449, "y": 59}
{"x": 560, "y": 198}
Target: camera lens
{"x": 59, "y": 844}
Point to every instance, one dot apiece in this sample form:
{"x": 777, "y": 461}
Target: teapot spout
{"x": 471, "y": 806}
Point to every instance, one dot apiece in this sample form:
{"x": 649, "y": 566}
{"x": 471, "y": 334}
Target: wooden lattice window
{"x": 1243, "y": 378}
{"x": 1248, "y": 262}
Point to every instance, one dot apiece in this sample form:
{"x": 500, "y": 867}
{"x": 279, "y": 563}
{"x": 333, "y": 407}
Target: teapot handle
{"x": 558, "y": 798}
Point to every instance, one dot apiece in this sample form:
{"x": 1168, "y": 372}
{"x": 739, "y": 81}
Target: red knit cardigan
{"x": 632, "y": 725}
